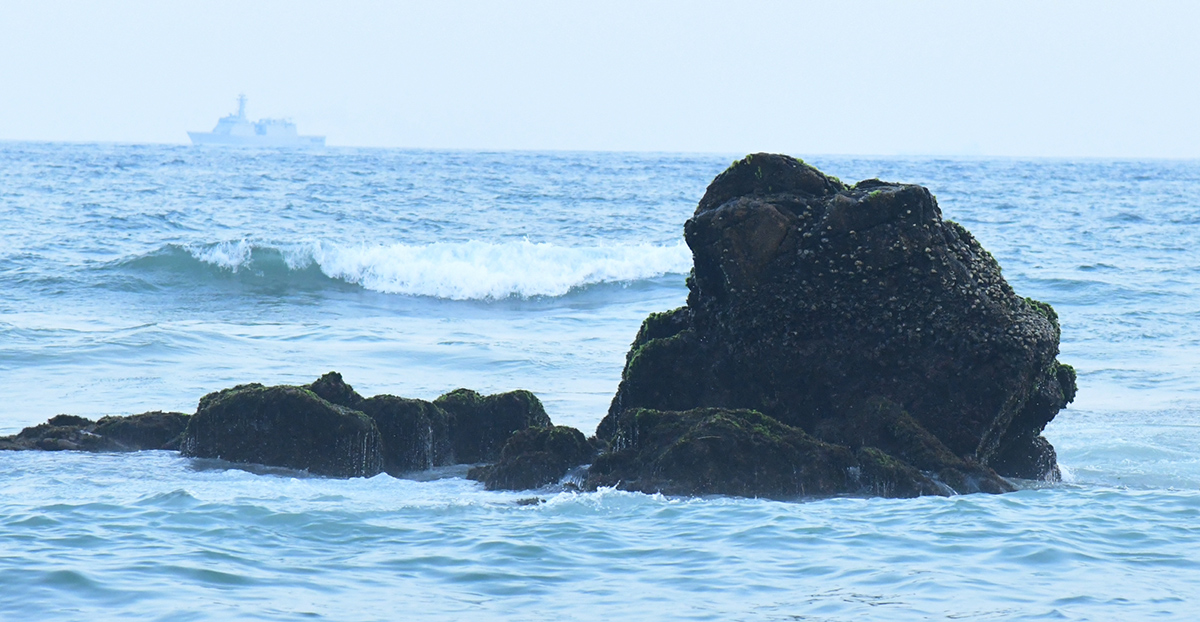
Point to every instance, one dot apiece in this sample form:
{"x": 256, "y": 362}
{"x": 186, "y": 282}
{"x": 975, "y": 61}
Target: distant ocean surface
{"x": 140, "y": 277}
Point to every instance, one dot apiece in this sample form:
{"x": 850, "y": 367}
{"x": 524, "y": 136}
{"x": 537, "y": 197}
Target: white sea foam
{"x": 465, "y": 270}
{"x": 233, "y": 255}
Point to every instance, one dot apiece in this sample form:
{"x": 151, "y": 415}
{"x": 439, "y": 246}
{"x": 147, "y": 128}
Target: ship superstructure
{"x": 237, "y": 129}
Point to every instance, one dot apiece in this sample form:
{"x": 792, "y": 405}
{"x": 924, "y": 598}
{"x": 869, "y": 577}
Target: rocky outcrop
{"x": 535, "y": 457}
{"x": 284, "y": 426}
{"x": 856, "y": 315}
{"x": 152, "y": 430}
{"x": 481, "y": 424}
{"x": 328, "y": 428}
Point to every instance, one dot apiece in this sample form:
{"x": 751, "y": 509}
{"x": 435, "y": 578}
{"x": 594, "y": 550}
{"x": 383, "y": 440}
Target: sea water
{"x": 140, "y": 277}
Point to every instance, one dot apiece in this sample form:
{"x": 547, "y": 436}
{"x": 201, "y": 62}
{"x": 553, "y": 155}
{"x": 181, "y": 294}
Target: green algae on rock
{"x": 535, "y": 457}
{"x": 328, "y": 428}
{"x": 415, "y": 433}
{"x": 284, "y": 426}
{"x": 719, "y": 451}
{"x": 482, "y": 424}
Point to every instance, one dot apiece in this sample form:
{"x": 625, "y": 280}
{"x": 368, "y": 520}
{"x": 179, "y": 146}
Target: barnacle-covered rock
{"x": 811, "y": 300}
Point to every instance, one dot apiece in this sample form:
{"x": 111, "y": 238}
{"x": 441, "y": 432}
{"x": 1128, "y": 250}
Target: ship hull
{"x": 209, "y": 138}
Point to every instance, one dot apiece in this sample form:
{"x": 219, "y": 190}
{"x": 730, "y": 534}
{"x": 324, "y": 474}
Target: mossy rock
{"x": 719, "y": 451}
{"x": 415, "y": 434}
{"x": 332, "y": 388}
{"x": 881, "y": 425}
{"x": 284, "y": 426}
{"x": 535, "y": 457}
{"x": 480, "y": 425}
{"x": 152, "y": 430}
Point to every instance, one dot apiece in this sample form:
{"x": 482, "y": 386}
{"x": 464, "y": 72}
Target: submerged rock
{"x": 856, "y": 315}
{"x": 535, "y": 457}
{"x": 152, "y": 430}
{"x": 284, "y": 426}
{"x": 481, "y": 424}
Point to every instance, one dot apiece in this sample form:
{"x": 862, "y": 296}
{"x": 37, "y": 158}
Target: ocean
{"x": 141, "y": 277}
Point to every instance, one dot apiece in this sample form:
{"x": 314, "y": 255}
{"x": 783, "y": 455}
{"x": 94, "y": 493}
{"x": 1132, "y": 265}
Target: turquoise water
{"x": 142, "y": 277}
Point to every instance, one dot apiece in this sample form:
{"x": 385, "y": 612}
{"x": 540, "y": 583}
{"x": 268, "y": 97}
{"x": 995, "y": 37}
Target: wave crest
{"x": 452, "y": 270}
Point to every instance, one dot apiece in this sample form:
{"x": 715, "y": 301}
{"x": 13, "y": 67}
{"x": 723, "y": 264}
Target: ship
{"x": 236, "y": 129}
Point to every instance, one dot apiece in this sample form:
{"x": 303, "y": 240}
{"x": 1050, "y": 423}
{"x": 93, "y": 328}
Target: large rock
{"x": 284, "y": 426}
{"x": 481, "y": 424}
{"x": 812, "y": 302}
{"x": 152, "y": 430}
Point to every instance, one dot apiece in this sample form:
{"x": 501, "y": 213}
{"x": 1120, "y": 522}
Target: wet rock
{"x": 284, "y": 426}
{"x": 809, "y": 299}
{"x": 879, "y": 425}
{"x": 720, "y": 451}
{"x": 332, "y": 388}
{"x": 152, "y": 430}
{"x": 535, "y": 457}
{"x": 415, "y": 434}
{"x": 480, "y": 425}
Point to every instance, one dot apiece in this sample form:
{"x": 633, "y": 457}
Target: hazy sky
{"x": 1000, "y": 78}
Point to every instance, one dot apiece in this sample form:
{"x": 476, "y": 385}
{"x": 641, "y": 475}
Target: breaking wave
{"x": 451, "y": 270}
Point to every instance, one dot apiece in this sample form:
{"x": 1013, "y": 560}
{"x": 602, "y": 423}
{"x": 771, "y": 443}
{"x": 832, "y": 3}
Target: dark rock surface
{"x": 480, "y": 425}
{"x": 719, "y": 451}
{"x": 332, "y": 388}
{"x": 152, "y": 430}
{"x": 284, "y": 426}
{"x": 535, "y": 457}
{"x": 415, "y": 433}
{"x": 328, "y": 428}
{"x": 859, "y": 316}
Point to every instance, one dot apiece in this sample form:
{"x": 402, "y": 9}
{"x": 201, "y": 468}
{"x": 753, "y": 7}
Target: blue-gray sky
{"x": 1012, "y": 78}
